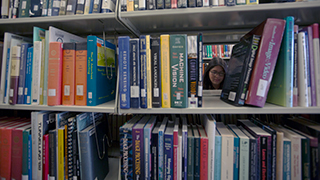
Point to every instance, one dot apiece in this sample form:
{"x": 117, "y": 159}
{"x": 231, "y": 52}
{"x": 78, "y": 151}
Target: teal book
{"x": 190, "y": 151}
{"x": 281, "y": 87}
{"x": 101, "y": 71}
{"x": 25, "y": 148}
{"x": 217, "y": 156}
{"x": 24, "y": 7}
{"x": 236, "y": 147}
{"x": 286, "y": 158}
{"x": 178, "y": 70}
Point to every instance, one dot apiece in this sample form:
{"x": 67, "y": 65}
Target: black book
{"x": 156, "y": 72}
{"x": 154, "y": 151}
{"x": 238, "y": 75}
{"x": 71, "y": 7}
{"x": 52, "y": 154}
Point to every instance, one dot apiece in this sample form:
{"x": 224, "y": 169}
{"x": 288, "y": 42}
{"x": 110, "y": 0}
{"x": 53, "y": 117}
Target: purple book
{"x": 14, "y": 75}
{"x": 138, "y": 148}
{"x": 271, "y": 31}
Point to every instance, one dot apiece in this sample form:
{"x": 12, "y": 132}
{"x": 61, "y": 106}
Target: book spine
{"x": 60, "y": 162}
{"x": 44, "y": 8}
{"x": 76, "y": 160}
{"x": 17, "y": 154}
{"x": 217, "y": 158}
{"x": 308, "y": 66}
{"x": 70, "y": 147}
{"x": 168, "y": 156}
{"x": 295, "y": 68}
{"x": 45, "y": 161}
{"x": 230, "y": 2}
{"x": 143, "y": 71}
{"x": 135, "y": 73}
{"x": 35, "y": 10}
{"x": 30, "y": 156}
{"x": 204, "y": 158}
{"x": 175, "y": 155}
{"x": 43, "y": 46}
{"x": 14, "y": 75}
{"x": 54, "y": 74}
{"x": 236, "y": 150}
{"x": 154, "y": 156}
{"x": 124, "y": 152}
{"x": 80, "y": 7}
{"x": 190, "y": 163}
{"x": 142, "y": 5}
{"x": 136, "y": 5}
{"x": 311, "y": 67}
{"x": 85, "y": 154}
{"x": 265, "y": 62}
{"x": 165, "y": 71}
{"x": 196, "y": 166}
{"x": 148, "y": 72}
{"x": 50, "y": 3}
{"x": 124, "y": 72}
{"x": 305, "y": 158}
{"x": 68, "y": 73}
{"x": 184, "y": 154}
{"x": 244, "y": 159}
{"x": 316, "y": 55}
{"x": 137, "y": 135}
{"x": 200, "y": 71}
{"x": 161, "y": 166}
{"x": 287, "y": 160}
{"x": 263, "y": 157}
{"x": 24, "y": 8}
{"x": 6, "y": 147}
{"x": 37, "y": 51}
{"x": 167, "y": 4}
{"x": 45, "y": 71}
{"x": 192, "y": 3}
{"x": 52, "y": 153}
{"x": 7, "y": 79}
{"x": 314, "y": 162}
{"x": 130, "y": 5}
{"x": 253, "y": 159}
{"x": 178, "y": 71}
{"x": 108, "y": 6}
{"x": 22, "y": 73}
{"x": 25, "y": 137}
{"x": 28, "y": 84}
{"x": 151, "y": 4}
{"x": 192, "y": 82}
{"x": 302, "y": 71}
{"x": 199, "y": 3}
{"x": 55, "y": 7}
{"x": 81, "y": 74}
{"x": 156, "y": 72}
{"x": 147, "y": 153}
{"x": 63, "y": 7}
{"x": 88, "y": 7}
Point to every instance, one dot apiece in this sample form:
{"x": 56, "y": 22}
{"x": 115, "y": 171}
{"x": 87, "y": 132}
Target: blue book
{"x": 71, "y": 7}
{"x": 135, "y": 73}
{"x": 7, "y": 76}
{"x": 124, "y": 71}
{"x": 143, "y": 69}
{"x": 197, "y": 153}
{"x": 217, "y": 156}
{"x": 102, "y": 71}
{"x": 161, "y": 166}
{"x": 147, "y": 133}
{"x": 168, "y": 151}
{"x": 25, "y": 148}
{"x": 154, "y": 151}
{"x": 236, "y": 150}
{"x": 28, "y": 81}
{"x": 286, "y": 158}
{"x": 96, "y": 8}
{"x": 55, "y": 7}
{"x": 35, "y": 8}
{"x": 45, "y": 5}
{"x": 22, "y": 74}
{"x": 230, "y": 2}
{"x": 30, "y": 157}
{"x": 190, "y": 164}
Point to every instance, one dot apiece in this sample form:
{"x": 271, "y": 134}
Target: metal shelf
{"x": 108, "y": 107}
{"x": 213, "y": 105}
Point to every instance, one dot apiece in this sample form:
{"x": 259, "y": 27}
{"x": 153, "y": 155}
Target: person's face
{"x": 216, "y": 75}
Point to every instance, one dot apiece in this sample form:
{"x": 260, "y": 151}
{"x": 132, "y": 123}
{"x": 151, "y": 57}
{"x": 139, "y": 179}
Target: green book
{"x": 178, "y": 70}
{"x": 190, "y": 162}
{"x": 25, "y": 151}
{"x": 24, "y": 7}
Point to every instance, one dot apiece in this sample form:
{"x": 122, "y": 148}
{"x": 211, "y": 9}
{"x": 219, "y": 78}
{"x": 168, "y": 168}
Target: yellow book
{"x": 42, "y": 70}
{"x": 130, "y": 5}
{"x": 250, "y": 2}
{"x": 165, "y": 70}
{"x": 61, "y": 153}
{"x": 149, "y": 81}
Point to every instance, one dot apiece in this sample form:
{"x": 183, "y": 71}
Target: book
{"x": 25, "y": 152}
{"x": 28, "y": 83}
{"x": 200, "y": 61}
{"x": 14, "y": 75}
{"x": 165, "y": 71}
{"x": 45, "y": 5}
{"x": 101, "y": 65}
{"x": 94, "y": 151}
{"x": 96, "y": 7}
{"x": 24, "y": 7}
{"x": 154, "y": 151}
{"x": 55, "y": 73}
{"x": 80, "y": 7}
{"x": 209, "y": 123}
{"x": 192, "y": 72}
{"x": 295, "y": 68}
{"x": 197, "y": 156}
{"x": 22, "y": 72}
{"x": 203, "y": 153}
{"x": 35, "y": 8}
{"x": 71, "y": 7}
{"x": 161, "y": 162}
{"x": 134, "y": 73}
{"x": 58, "y": 35}
{"x": 63, "y": 7}
{"x": 88, "y": 7}
{"x": 217, "y": 155}
{"x": 184, "y": 156}
{"x": 271, "y": 31}
{"x": 190, "y": 151}
{"x": 81, "y": 74}
{"x": 124, "y": 72}
{"x": 148, "y": 72}
{"x": 108, "y": 6}
{"x": 68, "y": 73}
{"x": 147, "y": 133}
{"x": 168, "y": 151}
{"x": 53, "y": 154}
{"x": 45, "y": 161}
{"x": 316, "y": 57}
{"x": 175, "y": 148}
{"x": 303, "y": 94}
{"x": 143, "y": 71}
{"x": 240, "y": 67}
{"x": 281, "y": 87}
{"x": 138, "y": 148}
{"x": 156, "y": 72}
{"x": 178, "y": 71}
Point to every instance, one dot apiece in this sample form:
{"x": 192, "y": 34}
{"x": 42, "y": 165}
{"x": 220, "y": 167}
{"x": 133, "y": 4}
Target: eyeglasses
{"x": 217, "y": 73}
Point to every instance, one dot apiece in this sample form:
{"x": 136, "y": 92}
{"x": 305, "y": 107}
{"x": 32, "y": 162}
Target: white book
{"x": 302, "y": 72}
{"x": 10, "y": 40}
{"x": 316, "y": 56}
{"x": 36, "y": 72}
{"x": 5, "y": 8}
{"x": 209, "y": 124}
{"x": 206, "y": 3}
{"x": 244, "y": 152}
{"x": 280, "y": 138}
{"x": 58, "y": 35}
{"x": 227, "y": 143}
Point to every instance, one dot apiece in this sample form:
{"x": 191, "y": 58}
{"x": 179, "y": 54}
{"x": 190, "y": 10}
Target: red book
{"x": 81, "y": 74}
{"x": 54, "y": 74}
{"x": 45, "y": 160}
{"x": 271, "y": 31}
{"x": 17, "y": 151}
{"x": 68, "y": 73}
{"x": 204, "y": 144}
{"x": 175, "y": 149}
{"x": 174, "y": 4}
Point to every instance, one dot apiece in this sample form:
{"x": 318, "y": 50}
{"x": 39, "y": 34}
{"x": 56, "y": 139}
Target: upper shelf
{"x": 216, "y": 19}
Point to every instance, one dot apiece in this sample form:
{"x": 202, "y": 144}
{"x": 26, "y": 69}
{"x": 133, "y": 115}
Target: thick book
{"x": 96, "y": 6}
{"x": 316, "y": 56}
{"x": 154, "y": 151}
{"x": 55, "y": 74}
{"x": 22, "y": 72}
{"x": 168, "y": 151}
{"x": 143, "y": 71}
{"x": 35, "y": 8}
{"x": 271, "y": 31}
{"x": 178, "y": 70}
{"x": 24, "y": 7}
{"x": 28, "y": 83}
{"x": 240, "y": 67}
{"x": 156, "y": 72}
{"x": 101, "y": 58}
{"x": 124, "y": 72}
{"x": 192, "y": 72}
{"x": 80, "y": 7}
{"x": 63, "y": 7}
{"x": 134, "y": 73}
{"x": 138, "y": 148}
{"x": 161, "y": 162}
{"x": 165, "y": 71}
{"x": 71, "y": 7}
{"x": 108, "y": 6}
{"x": 14, "y": 75}
{"x": 81, "y": 74}
{"x": 200, "y": 61}
{"x": 147, "y": 133}
{"x": 68, "y": 73}
{"x": 281, "y": 87}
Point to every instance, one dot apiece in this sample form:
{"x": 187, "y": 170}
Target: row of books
{"x": 170, "y": 148}
{"x": 35, "y": 8}
{"x": 57, "y": 68}
{"x": 221, "y": 50}
{"x": 276, "y": 62}
{"x": 53, "y": 145}
{"x": 163, "y": 71}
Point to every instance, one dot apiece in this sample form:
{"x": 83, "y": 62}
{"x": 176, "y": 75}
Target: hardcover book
{"x": 197, "y": 152}
{"x": 35, "y": 8}
{"x": 241, "y": 63}
{"x": 200, "y": 61}
{"x": 101, "y": 58}
{"x": 156, "y": 72}
{"x": 28, "y": 83}
{"x": 80, "y": 7}
{"x": 108, "y": 6}
{"x": 124, "y": 72}
{"x": 134, "y": 73}
{"x": 217, "y": 155}
{"x": 68, "y": 73}
{"x": 271, "y": 31}
{"x": 190, "y": 151}
{"x": 165, "y": 71}
{"x": 203, "y": 153}
{"x": 168, "y": 151}
{"x": 281, "y": 87}
{"x": 14, "y": 75}
{"x": 295, "y": 67}
{"x": 36, "y": 72}
{"x": 303, "y": 89}
{"x": 143, "y": 71}
{"x": 63, "y": 7}
{"x": 316, "y": 55}
{"x": 192, "y": 72}
{"x": 25, "y": 152}
{"x": 71, "y": 7}
{"x": 209, "y": 123}
{"x": 147, "y": 133}
{"x": 24, "y": 7}
{"x": 154, "y": 151}
{"x": 161, "y": 162}
{"x": 178, "y": 71}
{"x": 81, "y": 74}
{"x": 148, "y": 72}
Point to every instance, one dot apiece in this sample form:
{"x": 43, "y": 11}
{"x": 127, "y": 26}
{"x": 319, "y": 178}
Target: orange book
{"x": 81, "y": 74}
{"x": 54, "y": 74}
{"x": 68, "y": 73}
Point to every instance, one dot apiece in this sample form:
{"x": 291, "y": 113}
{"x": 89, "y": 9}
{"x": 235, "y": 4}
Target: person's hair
{"x": 216, "y": 61}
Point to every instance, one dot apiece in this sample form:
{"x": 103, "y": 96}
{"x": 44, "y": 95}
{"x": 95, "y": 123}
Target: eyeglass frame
{"x": 214, "y": 72}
